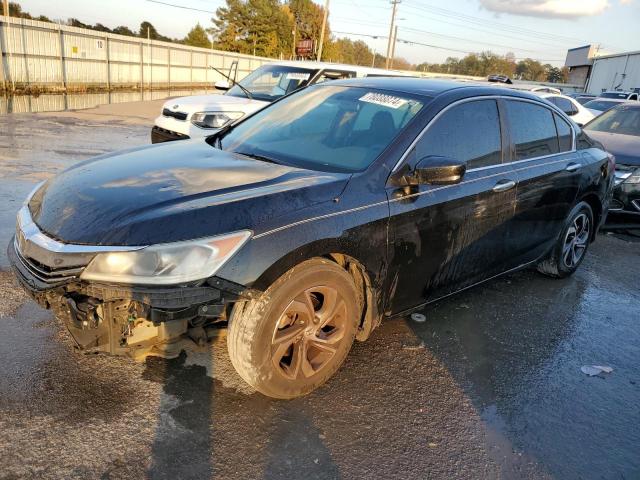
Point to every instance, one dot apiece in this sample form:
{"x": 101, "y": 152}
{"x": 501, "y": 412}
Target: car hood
{"x": 172, "y": 192}
{"x": 626, "y": 148}
{"x": 223, "y": 103}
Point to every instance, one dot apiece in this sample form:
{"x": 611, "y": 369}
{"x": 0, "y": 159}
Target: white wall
{"x": 609, "y": 72}
{"x": 48, "y": 55}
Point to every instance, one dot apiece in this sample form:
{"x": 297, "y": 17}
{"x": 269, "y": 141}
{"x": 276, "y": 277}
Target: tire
{"x": 571, "y": 246}
{"x": 296, "y": 335}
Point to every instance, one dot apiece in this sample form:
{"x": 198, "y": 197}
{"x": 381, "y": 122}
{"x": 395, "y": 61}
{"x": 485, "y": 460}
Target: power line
{"x": 413, "y": 42}
{"x": 528, "y": 39}
{"x": 483, "y": 21}
{"x": 471, "y": 40}
{"x": 180, "y": 6}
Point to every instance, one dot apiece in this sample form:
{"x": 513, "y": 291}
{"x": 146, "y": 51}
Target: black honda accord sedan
{"x": 303, "y": 226}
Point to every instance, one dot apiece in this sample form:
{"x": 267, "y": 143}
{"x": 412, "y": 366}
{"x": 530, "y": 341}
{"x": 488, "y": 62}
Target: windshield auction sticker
{"x": 384, "y": 100}
{"x": 297, "y": 76}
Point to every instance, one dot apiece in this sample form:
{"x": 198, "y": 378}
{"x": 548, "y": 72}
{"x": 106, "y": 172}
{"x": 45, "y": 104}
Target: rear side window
{"x": 469, "y": 132}
{"x": 565, "y": 105}
{"x": 565, "y": 134}
{"x": 533, "y": 130}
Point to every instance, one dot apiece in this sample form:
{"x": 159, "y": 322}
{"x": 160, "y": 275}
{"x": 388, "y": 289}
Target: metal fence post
{"x": 63, "y": 70}
{"x": 106, "y": 39}
{"x": 191, "y": 68}
{"x": 25, "y": 53}
{"x": 2, "y": 67}
{"x": 141, "y": 66}
{"x": 169, "y": 68}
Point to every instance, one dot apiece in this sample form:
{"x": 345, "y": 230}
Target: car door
{"x": 547, "y": 167}
{"x": 445, "y": 238}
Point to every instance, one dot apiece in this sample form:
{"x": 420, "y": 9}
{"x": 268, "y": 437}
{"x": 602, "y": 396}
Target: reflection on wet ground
{"x": 58, "y": 102}
{"x": 489, "y": 387}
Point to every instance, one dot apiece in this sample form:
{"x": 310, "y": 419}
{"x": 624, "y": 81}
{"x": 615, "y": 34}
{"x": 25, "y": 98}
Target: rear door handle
{"x": 572, "y": 167}
{"x": 504, "y": 185}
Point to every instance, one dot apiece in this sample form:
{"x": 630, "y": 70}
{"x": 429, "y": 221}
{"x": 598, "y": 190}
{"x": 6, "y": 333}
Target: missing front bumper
{"x": 131, "y": 320}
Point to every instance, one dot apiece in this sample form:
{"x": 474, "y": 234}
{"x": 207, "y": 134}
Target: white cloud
{"x": 548, "y": 8}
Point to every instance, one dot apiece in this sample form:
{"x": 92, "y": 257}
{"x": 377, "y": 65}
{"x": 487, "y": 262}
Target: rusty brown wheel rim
{"x": 309, "y": 332}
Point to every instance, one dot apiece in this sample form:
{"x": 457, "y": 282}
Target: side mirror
{"x": 222, "y": 85}
{"x": 436, "y": 170}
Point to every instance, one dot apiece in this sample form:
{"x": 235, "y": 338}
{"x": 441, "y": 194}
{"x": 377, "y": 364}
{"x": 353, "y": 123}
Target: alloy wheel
{"x": 576, "y": 241}
{"x": 309, "y": 332}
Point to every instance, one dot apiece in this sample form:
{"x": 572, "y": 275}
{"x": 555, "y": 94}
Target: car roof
{"x": 342, "y": 66}
{"x": 430, "y": 87}
{"x": 606, "y": 99}
{"x": 549, "y": 94}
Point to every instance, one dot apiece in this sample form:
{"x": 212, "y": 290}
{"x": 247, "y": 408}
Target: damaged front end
{"x": 130, "y": 320}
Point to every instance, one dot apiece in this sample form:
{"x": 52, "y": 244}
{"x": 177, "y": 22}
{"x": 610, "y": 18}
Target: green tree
{"x": 147, "y": 29}
{"x": 123, "y": 30}
{"x": 262, "y": 27}
{"x": 197, "y": 37}
{"x": 308, "y": 17}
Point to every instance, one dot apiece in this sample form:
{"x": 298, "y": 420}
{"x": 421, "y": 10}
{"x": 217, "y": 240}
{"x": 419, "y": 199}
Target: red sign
{"x": 304, "y": 47}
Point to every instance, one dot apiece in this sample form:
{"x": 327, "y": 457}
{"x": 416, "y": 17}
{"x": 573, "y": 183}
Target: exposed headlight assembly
{"x": 168, "y": 263}
{"x": 214, "y": 119}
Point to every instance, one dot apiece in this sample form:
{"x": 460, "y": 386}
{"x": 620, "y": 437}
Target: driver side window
{"x": 469, "y": 132}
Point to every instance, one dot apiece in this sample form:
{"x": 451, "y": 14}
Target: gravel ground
{"x": 488, "y": 387}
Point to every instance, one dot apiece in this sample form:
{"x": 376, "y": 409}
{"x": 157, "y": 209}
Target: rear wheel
{"x": 572, "y": 244}
{"x": 296, "y": 335}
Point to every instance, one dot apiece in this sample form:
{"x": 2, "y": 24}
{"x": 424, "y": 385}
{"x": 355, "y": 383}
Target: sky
{"x": 539, "y": 29}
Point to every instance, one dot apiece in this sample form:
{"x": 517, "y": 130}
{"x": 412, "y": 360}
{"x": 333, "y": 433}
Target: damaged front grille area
{"x": 47, "y": 274}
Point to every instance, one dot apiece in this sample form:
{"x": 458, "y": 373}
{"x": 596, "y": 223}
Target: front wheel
{"x": 294, "y": 337}
{"x": 572, "y": 244}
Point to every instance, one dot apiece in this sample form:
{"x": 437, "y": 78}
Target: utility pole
{"x": 293, "y": 47}
{"x": 324, "y": 25}
{"x": 393, "y": 45}
{"x": 391, "y": 28}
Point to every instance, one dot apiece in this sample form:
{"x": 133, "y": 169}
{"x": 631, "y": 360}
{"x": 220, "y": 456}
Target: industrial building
{"x": 615, "y": 72}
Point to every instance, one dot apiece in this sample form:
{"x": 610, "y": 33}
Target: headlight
{"x": 214, "y": 119}
{"x": 168, "y": 263}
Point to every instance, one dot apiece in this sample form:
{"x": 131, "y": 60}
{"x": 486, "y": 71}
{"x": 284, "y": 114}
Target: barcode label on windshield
{"x": 384, "y": 100}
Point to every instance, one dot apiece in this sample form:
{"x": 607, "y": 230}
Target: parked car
{"x": 569, "y": 106}
{"x": 305, "y": 224}
{"x": 199, "y": 116}
{"x": 618, "y": 130}
{"x": 582, "y": 99}
{"x": 619, "y": 95}
{"x": 600, "y": 105}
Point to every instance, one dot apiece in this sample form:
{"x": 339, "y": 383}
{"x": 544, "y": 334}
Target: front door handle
{"x": 572, "y": 167}
{"x": 504, "y": 185}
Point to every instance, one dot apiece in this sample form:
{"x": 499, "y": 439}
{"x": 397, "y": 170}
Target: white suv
{"x": 203, "y": 115}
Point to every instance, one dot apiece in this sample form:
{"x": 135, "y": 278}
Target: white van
{"x": 202, "y": 115}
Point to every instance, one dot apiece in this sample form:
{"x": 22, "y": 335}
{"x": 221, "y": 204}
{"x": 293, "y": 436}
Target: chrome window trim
{"x": 552, "y": 108}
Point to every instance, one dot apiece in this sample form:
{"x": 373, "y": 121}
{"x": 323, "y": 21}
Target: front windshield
{"x": 327, "y": 128}
{"x": 270, "y": 82}
{"x": 624, "y": 120}
{"x": 618, "y": 95}
{"x": 600, "y": 105}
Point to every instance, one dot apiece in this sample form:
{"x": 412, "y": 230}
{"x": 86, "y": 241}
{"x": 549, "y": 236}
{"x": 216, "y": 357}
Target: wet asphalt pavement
{"x": 488, "y": 387}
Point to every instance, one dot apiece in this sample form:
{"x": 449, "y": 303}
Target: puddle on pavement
{"x": 58, "y": 102}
